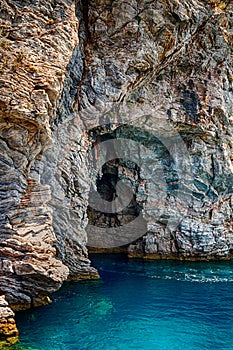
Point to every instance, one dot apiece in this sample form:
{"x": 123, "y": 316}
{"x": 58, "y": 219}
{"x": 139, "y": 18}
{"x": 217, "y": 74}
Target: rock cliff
{"x": 160, "y": 73}
{"x": 116, "y": 130}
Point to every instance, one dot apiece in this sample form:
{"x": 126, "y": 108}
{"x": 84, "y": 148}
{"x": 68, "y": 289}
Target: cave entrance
{"x": 105, "y": 182}
{"x": 145, "y": 167}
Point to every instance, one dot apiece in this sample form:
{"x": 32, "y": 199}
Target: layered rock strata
{"x": 160, "y": 70}
{"x": 76, "y": 74}
{"x": 36, "y": 44}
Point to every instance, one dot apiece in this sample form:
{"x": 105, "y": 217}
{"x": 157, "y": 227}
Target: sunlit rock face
{"x": 37, "y": 43}
{"x": 77, "y": 74}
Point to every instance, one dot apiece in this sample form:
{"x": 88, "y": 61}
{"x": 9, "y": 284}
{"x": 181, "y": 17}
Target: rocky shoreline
{"x": 75, "y": 74}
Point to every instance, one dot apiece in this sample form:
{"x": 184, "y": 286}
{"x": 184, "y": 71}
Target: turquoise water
{"x": 146, "y": 305}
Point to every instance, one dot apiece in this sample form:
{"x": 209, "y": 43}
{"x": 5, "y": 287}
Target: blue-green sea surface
{"x": 144, "y": 305}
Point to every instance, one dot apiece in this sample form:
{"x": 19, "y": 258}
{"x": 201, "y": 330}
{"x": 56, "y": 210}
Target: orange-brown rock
{"x": 8, "y": 329}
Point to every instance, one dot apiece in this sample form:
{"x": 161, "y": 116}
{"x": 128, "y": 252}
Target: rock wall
{"x": 37, "y": 42}
{"x": 159, "y": 71}
{"x": 75, "y": 74}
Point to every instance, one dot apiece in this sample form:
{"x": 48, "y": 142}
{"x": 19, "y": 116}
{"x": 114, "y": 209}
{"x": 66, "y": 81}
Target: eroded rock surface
{"x": 36, "y": 44}
{"x": 75, "y": 74}
{"x": 167, "y": 63}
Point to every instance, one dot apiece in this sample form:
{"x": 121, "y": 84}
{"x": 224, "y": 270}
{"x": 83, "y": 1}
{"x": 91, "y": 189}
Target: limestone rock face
{"x": 154, "y": 79}
{"x": 160, "y": 73}
{"x": 36, "y": 44}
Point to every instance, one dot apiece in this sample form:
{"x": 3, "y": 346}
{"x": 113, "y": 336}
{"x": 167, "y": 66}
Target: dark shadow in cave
{"x": 119, "y": 168}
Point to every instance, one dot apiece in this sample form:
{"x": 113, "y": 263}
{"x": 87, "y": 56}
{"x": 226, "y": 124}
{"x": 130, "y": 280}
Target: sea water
{"x": 144, "y": 305}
